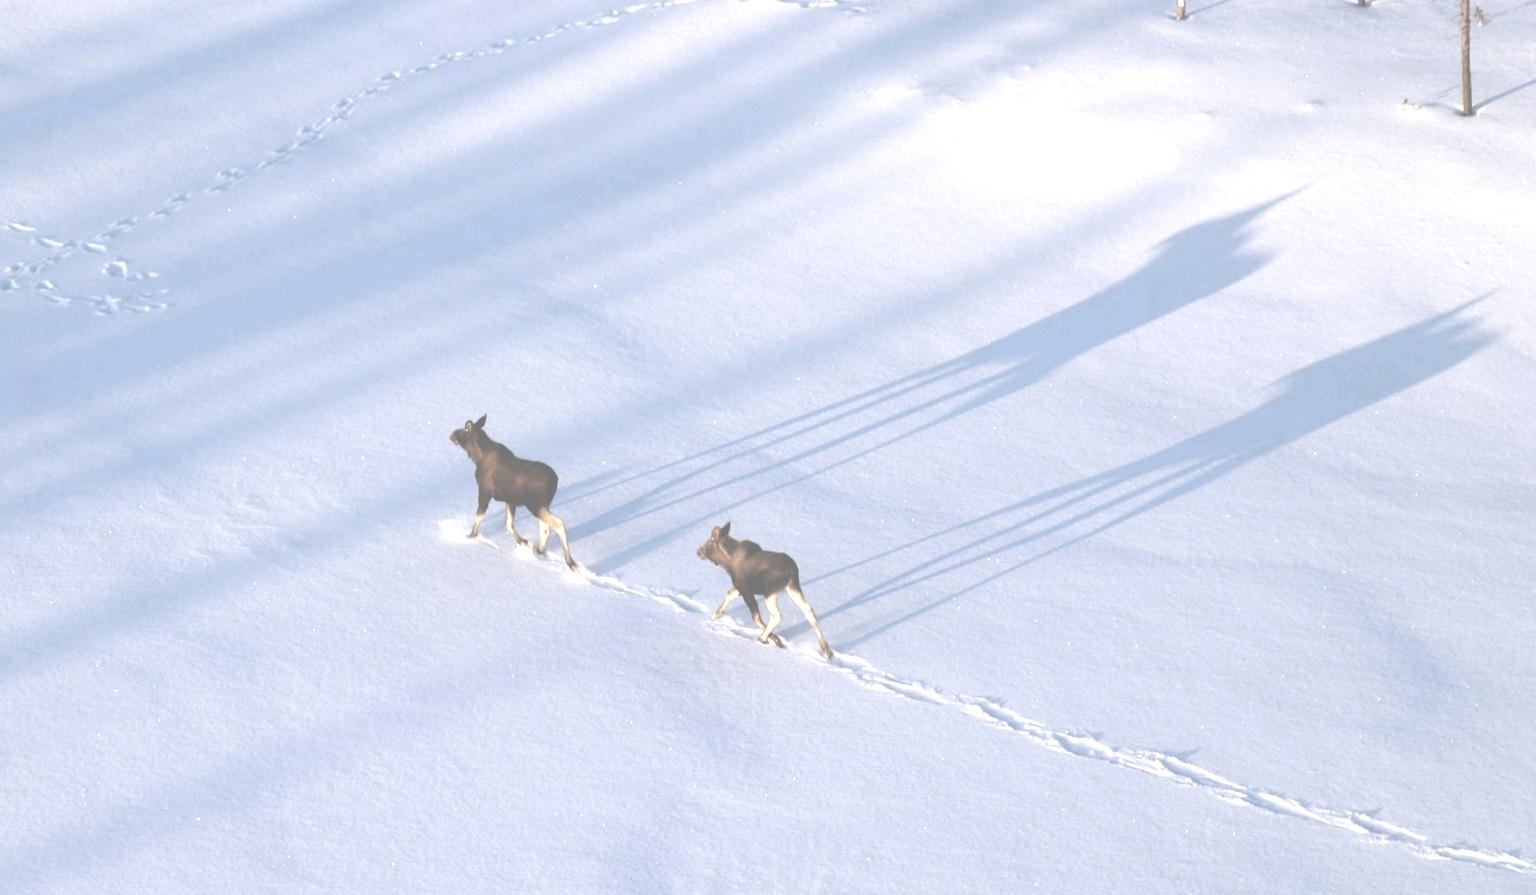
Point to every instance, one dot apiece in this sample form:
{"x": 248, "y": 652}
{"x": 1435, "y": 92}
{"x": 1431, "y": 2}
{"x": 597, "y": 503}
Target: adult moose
{"x": 757, "y": 572}
{"x": 515, "y": 482}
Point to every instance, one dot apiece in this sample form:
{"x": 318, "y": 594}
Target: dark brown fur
{"x": 757, "y": 572}
{"x": 501, "y": 475}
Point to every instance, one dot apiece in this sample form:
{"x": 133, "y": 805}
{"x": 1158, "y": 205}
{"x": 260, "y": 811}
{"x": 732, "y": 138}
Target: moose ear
{"x": 480, "y": 423}
{"x": 725, "y": 529}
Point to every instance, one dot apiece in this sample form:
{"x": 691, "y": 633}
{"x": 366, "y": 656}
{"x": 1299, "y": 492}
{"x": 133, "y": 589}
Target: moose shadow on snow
{"x": 307, "y": 293}
{"x": 306, "y": 289}
{"x": 1053, "y": 520}
{"x": 1193, "y": 264}
{"x": 570, "y": 194}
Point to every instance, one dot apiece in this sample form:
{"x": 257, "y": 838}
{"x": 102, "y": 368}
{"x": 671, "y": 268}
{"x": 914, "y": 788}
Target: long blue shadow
{"x": 94, "y": 98}
{"x": 1311, "y": 398}
{"x": 1191, "y": 265}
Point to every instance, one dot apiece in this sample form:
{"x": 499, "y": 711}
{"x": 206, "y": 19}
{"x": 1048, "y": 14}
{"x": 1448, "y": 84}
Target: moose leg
{"x": 773, "y": 622}
{"x": 730, "y": 595}
{"x": 543, "y": 536}
{"x": 810, "y": 616}
{"x": 554, "y": 522}
{"x": 512, "y": 529}
{"x": 757, "y": 617}
{"x": 485, "y": 503}
{"x": 752, "y": 607}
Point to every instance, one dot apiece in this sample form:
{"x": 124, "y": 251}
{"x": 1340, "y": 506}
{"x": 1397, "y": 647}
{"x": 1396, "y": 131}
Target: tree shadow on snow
{"x": 236, "y": 392}
{"x": 577, "y": 187}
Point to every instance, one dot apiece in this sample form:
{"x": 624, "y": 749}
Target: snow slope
{"x": 1145, "y": 402}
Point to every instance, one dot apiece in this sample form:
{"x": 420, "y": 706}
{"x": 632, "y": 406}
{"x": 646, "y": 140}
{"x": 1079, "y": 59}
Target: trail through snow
{"x": 991, "y": 712}
{"x": 1004, "y": 426}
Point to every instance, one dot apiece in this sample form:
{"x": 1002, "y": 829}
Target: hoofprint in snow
{"x": 993, "y": 713}
{"x": 913, "y": 98}
{"x": 27, "y": 275}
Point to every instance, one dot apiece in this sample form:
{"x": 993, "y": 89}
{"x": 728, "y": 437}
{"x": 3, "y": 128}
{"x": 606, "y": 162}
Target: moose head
{"x": 709, "y": 549}
{"x": 469, "y": 433}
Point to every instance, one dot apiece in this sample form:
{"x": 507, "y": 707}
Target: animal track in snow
{"x": 102, "y": 304}
{"x": 24, "y": 276}
{"x": 1173, "y": 768}
{"x": 844, "y": 5}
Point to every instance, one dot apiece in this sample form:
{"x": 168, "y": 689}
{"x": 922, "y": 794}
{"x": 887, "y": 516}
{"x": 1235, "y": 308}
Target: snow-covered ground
{"x": 1147, "y": 404}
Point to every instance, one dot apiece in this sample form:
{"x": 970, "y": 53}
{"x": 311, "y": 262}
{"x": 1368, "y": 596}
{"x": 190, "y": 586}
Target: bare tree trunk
{"x": 1178, "y": 10}
{"x": 1466, "y": 57}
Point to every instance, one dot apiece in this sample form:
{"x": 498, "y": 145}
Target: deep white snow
{"x": 1147, "y": 404}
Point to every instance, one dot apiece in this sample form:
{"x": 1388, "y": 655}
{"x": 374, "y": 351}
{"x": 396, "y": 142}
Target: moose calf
{"x": 757, "y": 572}
{"x": 513, "y": 481}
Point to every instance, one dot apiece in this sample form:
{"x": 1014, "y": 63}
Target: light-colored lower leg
{"x": 730, "y": 595}
{"x": 774, "y": 617}
{"x": 554, "y": 522}
{"x": 543, "y": 536}
{"x": 810, "y": 616}
{"x": 474, "y": 532}
{"x": 757, "y": 619}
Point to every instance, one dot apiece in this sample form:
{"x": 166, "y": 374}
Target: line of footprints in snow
{"x": 31, "y": 276}
{"x": 518, "y": 482}
{"x": 1173, "y": 768}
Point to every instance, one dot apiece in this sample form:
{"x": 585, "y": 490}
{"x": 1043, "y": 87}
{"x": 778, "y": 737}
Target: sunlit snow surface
{"x": 1146, "y": 404}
